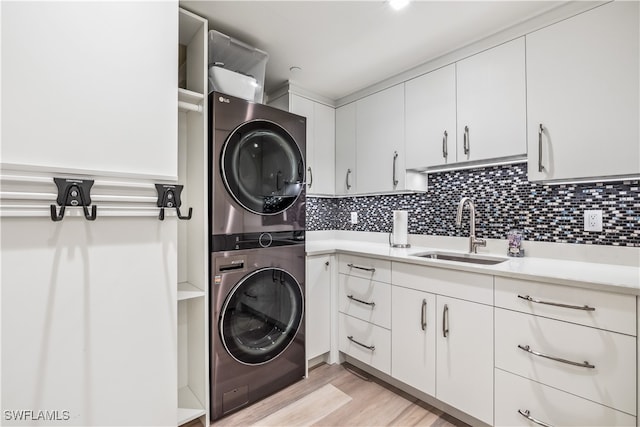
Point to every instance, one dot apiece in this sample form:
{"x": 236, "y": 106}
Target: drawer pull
{"x": 585, "y": 364}
{"x": 445, "y": 321}
{"x": 351, "y": 297}
{"x": 368, "y": 347}
{"x": 528, "y": 416}
{"x": 371, "y": 269}
{"x": 557, "y": 304}
{"x": 423, "y": 315}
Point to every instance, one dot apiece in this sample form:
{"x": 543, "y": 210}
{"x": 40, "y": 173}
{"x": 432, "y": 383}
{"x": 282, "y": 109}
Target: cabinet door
{"x": 380, "y": 141}
{"x": 346, "y": 149}
{"x": 318, "y": 298}
{"x": 430, "y": 119}
{"x": 304, "y": 107}
{"x": 464, "y": 371}
{"x": 413, "y": 338}
{"x": 323, "y": 166}
{"x": 582, "y": 87}
{"x": 82, "y": 95}
{"x": 491, "y": 103}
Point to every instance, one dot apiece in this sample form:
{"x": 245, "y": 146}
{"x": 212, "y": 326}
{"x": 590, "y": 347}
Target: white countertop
{"x": 605, "y": 277}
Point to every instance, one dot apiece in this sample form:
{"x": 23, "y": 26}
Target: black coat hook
{"x": 169, "y": 197}
{"x": 73, "y": 192}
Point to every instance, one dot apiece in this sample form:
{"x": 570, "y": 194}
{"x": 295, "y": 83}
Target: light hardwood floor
{"x": 333, "y": 396}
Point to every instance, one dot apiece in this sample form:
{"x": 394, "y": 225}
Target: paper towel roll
{"x": 399, "y": 233}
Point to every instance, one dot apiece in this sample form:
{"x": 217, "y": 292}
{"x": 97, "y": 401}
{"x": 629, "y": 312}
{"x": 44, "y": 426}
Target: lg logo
{"x": 223, "y": 99}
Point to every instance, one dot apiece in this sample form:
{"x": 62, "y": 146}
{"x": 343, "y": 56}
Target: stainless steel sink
{"x": 458, "y": 257}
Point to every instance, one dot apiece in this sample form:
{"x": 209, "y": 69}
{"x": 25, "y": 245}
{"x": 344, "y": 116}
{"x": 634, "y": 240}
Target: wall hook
{"x": 169, "y": 197}
{"x": 73, "y": 192}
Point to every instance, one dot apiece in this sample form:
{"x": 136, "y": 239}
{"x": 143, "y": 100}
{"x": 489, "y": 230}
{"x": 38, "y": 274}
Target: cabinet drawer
{"x": 614, "y": 312}
{"x": 611, "y": 382}
{"x": 456, "y": 284}
{"x": 373, "y": 345}
{"x": 365, "y": 299}
{"x": 368, "y": 268}
{"x": 549, "y": 405}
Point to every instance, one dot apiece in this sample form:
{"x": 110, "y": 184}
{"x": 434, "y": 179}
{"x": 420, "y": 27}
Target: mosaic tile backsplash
{"x": 504, "y": 200}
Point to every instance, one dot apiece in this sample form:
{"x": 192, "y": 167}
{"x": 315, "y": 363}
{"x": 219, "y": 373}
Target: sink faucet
{"x": 473, "y": 241}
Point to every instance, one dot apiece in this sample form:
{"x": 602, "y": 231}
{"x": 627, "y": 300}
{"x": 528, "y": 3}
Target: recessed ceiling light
{"x": 295, "y": 69}
{"x": 398, "y": 4}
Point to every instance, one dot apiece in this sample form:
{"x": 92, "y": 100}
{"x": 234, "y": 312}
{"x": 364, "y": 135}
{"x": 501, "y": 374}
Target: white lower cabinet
{"x": 464, "y": 354}
{"x": 318, "y": 305}
{"x": 587, "y": 362}
{"x": 365, "y": 342}
{"x": 520, "y": 401}
{"x": 413, "y": 338}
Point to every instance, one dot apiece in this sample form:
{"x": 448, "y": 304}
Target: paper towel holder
{"x": 397, "y": 245}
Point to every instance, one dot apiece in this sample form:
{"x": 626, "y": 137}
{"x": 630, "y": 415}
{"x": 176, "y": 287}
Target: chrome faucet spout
{"x": 473, "y": 241}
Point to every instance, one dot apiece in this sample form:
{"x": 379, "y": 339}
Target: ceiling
{"x": 345, "y": 46}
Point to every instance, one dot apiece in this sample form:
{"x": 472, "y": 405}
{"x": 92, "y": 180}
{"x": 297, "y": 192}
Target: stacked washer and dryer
{"x": 257, "y": 214}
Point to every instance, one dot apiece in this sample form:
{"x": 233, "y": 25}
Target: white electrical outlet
{"x": 593, "y": 220}
{"x": 354, "y": 217}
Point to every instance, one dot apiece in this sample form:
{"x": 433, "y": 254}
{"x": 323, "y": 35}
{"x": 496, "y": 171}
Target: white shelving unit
{"x": 193, "y": 278}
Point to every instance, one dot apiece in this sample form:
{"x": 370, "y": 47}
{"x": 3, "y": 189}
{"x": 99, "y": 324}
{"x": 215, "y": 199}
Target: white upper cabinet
{"x": 380, "y": 141}
{"x": 346, "y": 149}
{"x": 430, "y": 119}
{"x": 320, "y": 141}
{"x": 92, "y": 86}
{"x": 582, "y": 88}
{"x": 491, "y": 103}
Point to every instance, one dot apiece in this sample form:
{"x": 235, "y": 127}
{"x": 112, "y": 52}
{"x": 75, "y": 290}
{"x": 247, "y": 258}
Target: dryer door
{"x": 262, "y": 167}
{"x": 261, "y": 316}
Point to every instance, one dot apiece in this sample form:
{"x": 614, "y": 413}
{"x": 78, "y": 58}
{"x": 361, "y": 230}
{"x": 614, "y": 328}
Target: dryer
{"x": 257, "y": 168}
{"x": 257, "y": 323}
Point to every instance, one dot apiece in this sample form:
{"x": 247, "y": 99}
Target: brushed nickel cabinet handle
{"x": 371, "y": 304}
{"x": 584, "y": 364}
{"x": 540, "y": 131}
{"x": 368, "y": 347}
{"x": 557, "y": 304}
{"x": 371, "y": 269}
{"x": 445, "y": 138}
{"x": 445, "y": 321}
{"x": 348, "y": 183}
{"x": 423, "y": 315}
{"x": 528, "y": 416}
{"x": 465, "y": 140}
{"x": 310, "y": 176}
{"x": 395, "y": 158}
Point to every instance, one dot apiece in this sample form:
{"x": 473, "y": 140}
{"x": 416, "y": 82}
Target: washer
{"x": 257, "y": 322}
{"x": 257, "y": 168}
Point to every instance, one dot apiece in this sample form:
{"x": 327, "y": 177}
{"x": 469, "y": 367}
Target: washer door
{"x": 261, "y": 316}
{"x": 262, "y": 167}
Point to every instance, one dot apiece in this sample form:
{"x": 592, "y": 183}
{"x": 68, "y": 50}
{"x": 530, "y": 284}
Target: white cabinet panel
{"x": 323, "y": 166}
{"x": 368, "y": 268}
{"x": 491, "y": 102}
{"x": 614, "y": 312}
{"x": 346, "y": 150}
{"x": 365, "y": 299}
{"x": 413, "y": 339}
{"x": 380, "y": 141}
{"x": 89, "y": 318}
{"x": 583, "y": 87}
{"x": 613, "y": 380}
{"x": 81, "y": 93}
{"x": 318, "y": 305}
{"x": 369, "y": 343}
{"x": 464, "y": 372}
{"x": 430, "y": 119}
{"x": 549, "y": 405}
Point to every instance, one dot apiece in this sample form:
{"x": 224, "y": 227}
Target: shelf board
{"x": 189, "y": 407}
{"x": 188, "y": 291}
{"x": 190, "y": 96}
